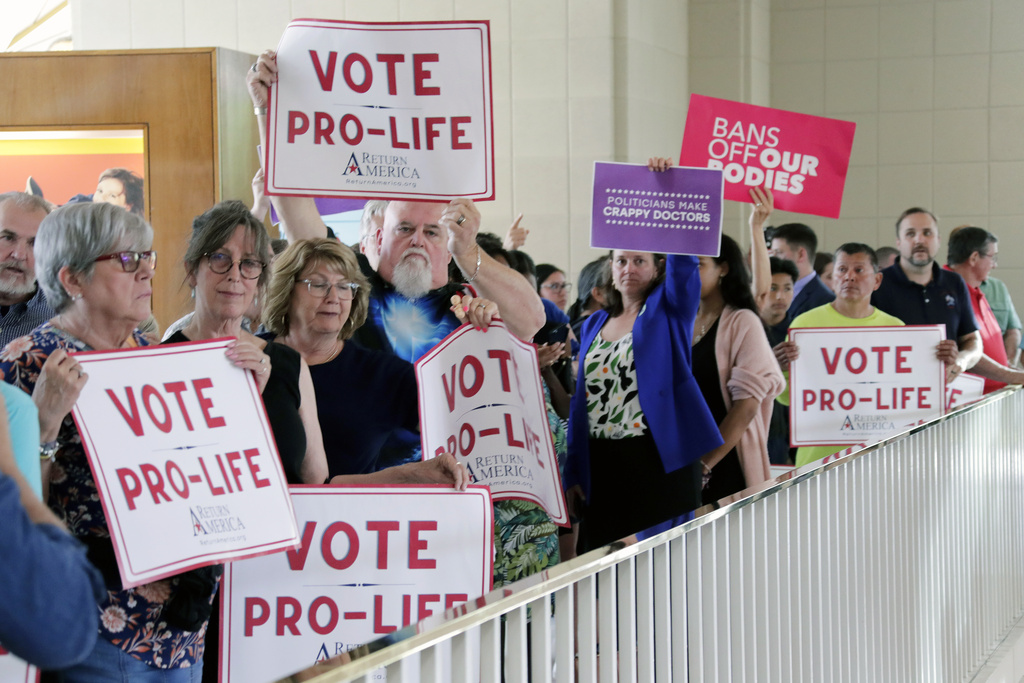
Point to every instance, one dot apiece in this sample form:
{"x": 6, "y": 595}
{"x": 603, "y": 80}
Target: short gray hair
{"x": 76, "y": 235}
{"x": 25, "y": 201}
{"x": 374, "y": 207}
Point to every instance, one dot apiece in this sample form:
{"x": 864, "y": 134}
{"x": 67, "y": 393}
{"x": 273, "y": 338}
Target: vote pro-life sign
{"x": 391, "y": 111}
{"x": 855, "y": 385}
{"x": 677, "y": 211}
{"x": 481, "y": 400}
{"x": 372, "y": 560}
{"x": 802, "y": 159}
{"x": 183, "y": 457}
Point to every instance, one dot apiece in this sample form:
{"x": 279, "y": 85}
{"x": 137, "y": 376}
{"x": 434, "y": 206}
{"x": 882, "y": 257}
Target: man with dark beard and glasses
{"x": 22, "y": 305}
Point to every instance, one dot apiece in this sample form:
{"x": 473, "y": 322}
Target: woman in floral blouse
{"x": 95, "y": 265}
{"x": 638, "y": 424}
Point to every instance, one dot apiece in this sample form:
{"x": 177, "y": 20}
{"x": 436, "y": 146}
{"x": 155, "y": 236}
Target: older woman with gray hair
{"x": 95, "y": 265}
{"x": 317, "y": 299}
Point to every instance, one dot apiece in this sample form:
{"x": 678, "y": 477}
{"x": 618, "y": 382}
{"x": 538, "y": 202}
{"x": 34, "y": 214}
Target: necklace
{"x": 337, "y": 350}
{"x": 703, "y": 323}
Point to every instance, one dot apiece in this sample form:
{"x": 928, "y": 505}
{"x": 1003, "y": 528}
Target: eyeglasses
{"x": 319, "y": 289}
{"x": 249, "y": 268}
{"x": 558, "y": 286}
{"x": 130, "y": 259}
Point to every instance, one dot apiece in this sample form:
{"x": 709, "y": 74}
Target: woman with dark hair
{"x": 225, "y": 264}
{"x": 823, "y": 267}
{"x": 736, "y": 372}
{"x": 552, "y": 285}
{"x": 638, "y": 424}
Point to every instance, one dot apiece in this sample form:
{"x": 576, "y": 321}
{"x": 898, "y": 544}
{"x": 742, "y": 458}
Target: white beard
{"x": 412, "y": 277}
{"x": 12, "y": 287}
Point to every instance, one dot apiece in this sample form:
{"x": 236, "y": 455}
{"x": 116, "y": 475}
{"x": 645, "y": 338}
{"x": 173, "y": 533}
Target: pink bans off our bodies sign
{"x": 802, "y": 159}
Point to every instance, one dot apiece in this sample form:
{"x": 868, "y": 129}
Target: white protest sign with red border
{"x": 853, "y": 385}
{"x": 14, "y": 670}
{"x": 964, "y": 389}
{"x": 180, "y": 448}
{"x": 481, "y": 400}
{"x": 382, "y": 111}
{"x": 372, "y": 560}
{"x": 802, "y": 159}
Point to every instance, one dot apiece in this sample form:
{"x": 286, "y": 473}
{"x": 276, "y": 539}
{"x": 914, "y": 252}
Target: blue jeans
{"x": 110, "y": 664}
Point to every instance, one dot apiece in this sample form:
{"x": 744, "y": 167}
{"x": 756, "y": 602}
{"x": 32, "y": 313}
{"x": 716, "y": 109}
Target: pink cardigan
{"x": 747, "y": 369}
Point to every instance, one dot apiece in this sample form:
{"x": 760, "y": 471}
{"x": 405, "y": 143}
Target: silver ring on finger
{"x": 461, "y": 219}
{"x": 263, "y": 360}
{"x": 253, "y": 67}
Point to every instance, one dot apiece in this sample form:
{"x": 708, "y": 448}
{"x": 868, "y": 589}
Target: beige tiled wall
{"x": 936, "y": 89}
{"x": 730, "y": 57}
{"x": 574, "y": 81}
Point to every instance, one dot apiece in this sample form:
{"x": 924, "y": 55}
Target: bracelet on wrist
{"x": 475, "y": 272}
{"x": 260, "y": 111}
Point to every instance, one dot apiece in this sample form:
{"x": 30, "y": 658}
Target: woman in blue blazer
{"x": 638, "y": 423}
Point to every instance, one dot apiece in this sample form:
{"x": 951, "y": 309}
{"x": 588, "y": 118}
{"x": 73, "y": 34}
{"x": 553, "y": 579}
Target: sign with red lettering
{"x": 853, "y": 385}
{"x": 481, "y": 400}
{"x": 180, "y": 448}
{"x": 14, "y": 670}
{"x": 802, "y": 159}
{"x": 371, "y": 561}
{"x": 382, "y": 111}
{"x": 963, "y": 390}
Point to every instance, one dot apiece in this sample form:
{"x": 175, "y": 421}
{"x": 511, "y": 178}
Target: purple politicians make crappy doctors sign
{"x": 382, "y": 111}
{"x": 678, "y": 211}
{"x": 183, "y": 457}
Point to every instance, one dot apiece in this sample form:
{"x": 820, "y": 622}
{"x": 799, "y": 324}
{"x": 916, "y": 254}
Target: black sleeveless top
{"x": 281, "y": 398}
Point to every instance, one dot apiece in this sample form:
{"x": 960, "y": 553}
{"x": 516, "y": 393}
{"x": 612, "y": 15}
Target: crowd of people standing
{"x": 660, "y": 375}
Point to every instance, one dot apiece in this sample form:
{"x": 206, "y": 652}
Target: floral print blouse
{"x": 613, "y": 401}
{"x": 131, "y": 618}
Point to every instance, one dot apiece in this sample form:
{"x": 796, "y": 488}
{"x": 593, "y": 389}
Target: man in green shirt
{"x": 855, "y": 276}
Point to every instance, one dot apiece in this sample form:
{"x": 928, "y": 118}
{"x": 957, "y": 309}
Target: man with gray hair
{"x": 972, "y": 255}
{"x": 370, "y": 223}
{"x": 22, "y": 304}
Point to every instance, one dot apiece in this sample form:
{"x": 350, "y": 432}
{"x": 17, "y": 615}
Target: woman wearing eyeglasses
{"x": 225, "y": 264}
{"x": 552, "y": 285}
{"x": 95, "y": 265}
{"x": 317, "y": 299}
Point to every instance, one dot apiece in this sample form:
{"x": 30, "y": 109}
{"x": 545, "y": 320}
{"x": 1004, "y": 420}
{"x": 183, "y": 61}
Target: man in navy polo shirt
{"x": 918, "y": 292}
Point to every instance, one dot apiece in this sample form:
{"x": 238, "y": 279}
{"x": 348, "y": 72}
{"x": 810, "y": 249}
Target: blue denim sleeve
{"x": 49, "y": 592}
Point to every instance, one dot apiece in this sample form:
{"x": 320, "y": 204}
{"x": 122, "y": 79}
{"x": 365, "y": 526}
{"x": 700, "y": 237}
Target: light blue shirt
{"x": 23, "y": 418}
{"x": 801, "y": 283}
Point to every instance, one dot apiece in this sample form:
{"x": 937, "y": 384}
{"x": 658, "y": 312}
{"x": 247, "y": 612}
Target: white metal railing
{"x": 901, "y": 562}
